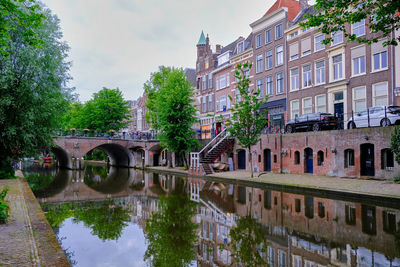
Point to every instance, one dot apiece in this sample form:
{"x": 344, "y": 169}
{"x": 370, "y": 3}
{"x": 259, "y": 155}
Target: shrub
{"x": 3, "y": 206}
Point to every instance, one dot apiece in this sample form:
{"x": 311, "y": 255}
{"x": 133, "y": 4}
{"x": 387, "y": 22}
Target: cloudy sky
{"x": 118, "y": 43}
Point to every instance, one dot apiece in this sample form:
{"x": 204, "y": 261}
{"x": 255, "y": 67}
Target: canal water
{"x": 125, "y": 217}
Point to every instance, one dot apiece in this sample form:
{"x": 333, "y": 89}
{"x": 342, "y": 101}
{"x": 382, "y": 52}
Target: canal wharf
{"x": 27, "y": 239}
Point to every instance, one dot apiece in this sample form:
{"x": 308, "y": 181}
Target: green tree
{"x": 395, "y": 143}
{"x": 248, "y": 242}
{"x": 72, "y": 118}
{"x": 247, "y": 118}
{"x": 106, "y": 111}
{"x": 175, "y": 113}
{"x": 57, "y": 214}
{"x": 33, "y": 96}
{"x": 171, "y": 233}
{"x": 20, "y": 17}
{"x": 151, "y": 88}
{"x": 380, "y": 16}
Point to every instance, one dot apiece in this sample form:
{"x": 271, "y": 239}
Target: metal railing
{"x": 86, "y": 133}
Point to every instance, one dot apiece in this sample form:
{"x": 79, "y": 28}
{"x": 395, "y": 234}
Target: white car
{"x": 375, "y": 116}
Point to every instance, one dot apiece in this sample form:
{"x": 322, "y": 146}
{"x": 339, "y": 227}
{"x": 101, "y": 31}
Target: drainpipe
{"x": 287, "y": 98}
{"x": 392, "y": 72}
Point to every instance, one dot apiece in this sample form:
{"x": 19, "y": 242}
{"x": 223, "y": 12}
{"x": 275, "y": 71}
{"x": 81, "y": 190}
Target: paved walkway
{"x": 384, "y": 188}
{"x": 27, "y": 239}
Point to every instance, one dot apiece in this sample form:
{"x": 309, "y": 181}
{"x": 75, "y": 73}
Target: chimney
{"x": 303, "y": 4}
{"x": 218, "y": 49}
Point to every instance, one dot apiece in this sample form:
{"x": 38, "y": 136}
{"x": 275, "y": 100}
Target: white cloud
{"x": 119, "y": 43}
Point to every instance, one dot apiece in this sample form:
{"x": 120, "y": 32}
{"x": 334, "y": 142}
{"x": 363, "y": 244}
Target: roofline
{"x": 266, "y": 17}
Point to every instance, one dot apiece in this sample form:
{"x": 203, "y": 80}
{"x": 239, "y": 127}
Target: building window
{"x": 204, "y": 103}
{"x": 389, "y": 221}
{"x": 210, "y": 102}
{"x": 294, "y": 79}
{"x": 279, "y": 55}
{"x": 321, "y": 209}
{"x": 268, "y": 60}
{"x": 320, "y": 158}
{"x": 359, "y": 99}
{"x": 210, "y": 80}
{"x": 349, "y": 158}
{"x": 359, "y": 28}
{"x": 307, "y": 105}
{"x": 204, "y": 82}
{"x": 295, "y": 109}
{"x": 278, "y": 32}
{"x": 240, "y": 47}
{"x": 271, "y": 256}
{"x": 259, "y": 63}
{"x": 270, "y": 89}
{"x": 297, "y": 261}
{"x": 387, "y": 159}
{"x": 320, "y": 101}
{"x": 350, "y": 214}
{"x": 260, "y": 87}
{"x": 294, "y": 51}
{"x": 307, "y": 76}
{"x": 258, "y": 41}
{"x": 380, "y": 94}
{"x": 318, "y": 43}
{"x": 337, "y": 67}
{"x": 380, "y": 60}
{"x": 306, "y": 46}
{"x": 279, "y": 83}
{"x": 296, "y": 157}
{"x": 320, "y": 72}
{"x": 294, "y": 34}
{"x": 222, "y": 103}
{"x": 337, "y": 37}
{"x": 282, "y": 258}
{"x": 359, "y": 65}
{"x": 268, "y": 36}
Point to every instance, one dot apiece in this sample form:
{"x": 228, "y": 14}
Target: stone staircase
{"x": 210, "y": 152}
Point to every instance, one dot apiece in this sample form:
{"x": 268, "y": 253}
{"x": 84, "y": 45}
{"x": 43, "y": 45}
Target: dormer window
{"x": 240, "y": 47}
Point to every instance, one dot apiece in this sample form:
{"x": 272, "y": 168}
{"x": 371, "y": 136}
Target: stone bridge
{"x": 69, "y": 151}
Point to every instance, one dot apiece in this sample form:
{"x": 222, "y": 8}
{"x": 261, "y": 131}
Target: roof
{"x": 202, "y": 40}
{"x": 307, "y": 11}
{"x": 293, "y": 7}
{"x": 230, "y": 47}
{"x": 190, "y": 75}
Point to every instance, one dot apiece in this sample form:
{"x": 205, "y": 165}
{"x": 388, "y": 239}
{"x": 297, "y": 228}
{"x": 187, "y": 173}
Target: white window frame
{"x": 360, "y": 71}
{"x": 322, "y": 107}
{"x": 308, "y": 109}
{"x": 355, "y": 27}
{"x": 307, "y": 76}
{"x": 258, "y": 87}
{"x": 280, "y": 87}
{"x": 316, "y": 43}
{"x": 269, "y": 81}
{"x": 380, "y": 54}
{"x": 320, "y": 72}
{"x": 279, "y": 55}
{"x": 374, "y": 97}
{"x": 362, "y": 99}
{"x": 258, "y": 40}
{"x": 268, "y": 31}
{"x": 210, "y": 103}
{"x": 269, "y": 56}
{"x": 259, "y": 63}
{"x": 337, "y": 38}
{"x": 204, "y": 83}
{"x": 276, "y": 31}
{"x": 293, "y": 111}
{"x": 340, "y": 67}
{"x": 210, "y": 80}
{"x": 294, "y": 80}
{"x": 240, "y": 47}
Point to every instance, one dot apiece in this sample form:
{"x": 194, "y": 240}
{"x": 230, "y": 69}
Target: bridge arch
{"x": 63, "y": 158}
{"x": 119, "y": 155}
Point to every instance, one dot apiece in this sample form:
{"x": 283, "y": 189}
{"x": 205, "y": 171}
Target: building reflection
{"x": 301, "y": 230}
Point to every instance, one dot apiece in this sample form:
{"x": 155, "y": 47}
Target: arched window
{"x": 297, "y": 157}
{"x": 349, "y": 158}
{"x": 320, "y": 157}
{"x": 387, "y": 159}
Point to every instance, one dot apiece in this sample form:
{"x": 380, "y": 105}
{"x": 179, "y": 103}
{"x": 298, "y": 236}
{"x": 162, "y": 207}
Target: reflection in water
{"x": 234, "y": 223}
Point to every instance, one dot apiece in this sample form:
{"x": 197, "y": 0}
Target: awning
{"x": 269, "y": 104}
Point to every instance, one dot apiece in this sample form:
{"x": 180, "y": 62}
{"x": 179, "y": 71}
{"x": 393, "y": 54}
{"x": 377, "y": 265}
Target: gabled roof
{"x": 292, "y": 6}
{"x": 202, "y": 40}
{"x": 190, "y": 75}
{"x": 230, "y": 47}
{"x": 307, "y": 11}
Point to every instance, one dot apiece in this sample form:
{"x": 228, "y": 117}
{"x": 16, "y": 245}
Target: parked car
{"x": 313, "y": 121}
{"x": 375, "y": 116}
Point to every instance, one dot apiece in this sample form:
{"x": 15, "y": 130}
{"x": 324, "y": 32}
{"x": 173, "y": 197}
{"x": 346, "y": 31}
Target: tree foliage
{"x": 248, "y": 242}
{"x": 21, "y": 17}
{"x": 32, "y": 89}
{"x": 172, "y": 110}
{"x": 380, "y": 16}
{"x": 395, "y": 143}
{"x": 247, "y": 119}
{"x": 171, "y": 233}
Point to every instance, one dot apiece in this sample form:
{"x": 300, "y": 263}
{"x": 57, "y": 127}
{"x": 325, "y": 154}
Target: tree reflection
{"x": 39, "y": 181}
{"x": 106, "y": 219}
{"x": 171, "y": 233}
{"x": 248, "y": 242}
